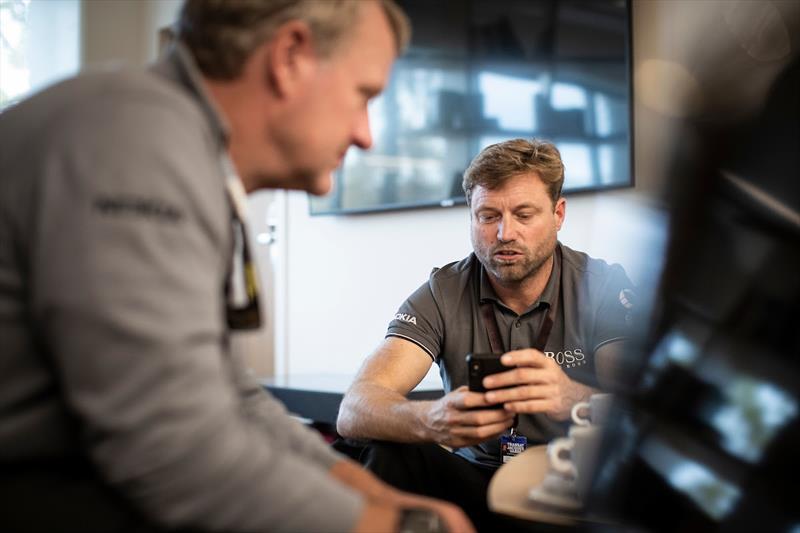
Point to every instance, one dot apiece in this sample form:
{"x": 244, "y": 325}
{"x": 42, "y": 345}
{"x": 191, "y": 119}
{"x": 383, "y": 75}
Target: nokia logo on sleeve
{"x": 406, "y": 318}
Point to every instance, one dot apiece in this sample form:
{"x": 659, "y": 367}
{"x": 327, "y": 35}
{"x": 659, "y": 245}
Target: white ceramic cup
{"x": 592, "y": 412}
{"x": 575, "y": 456}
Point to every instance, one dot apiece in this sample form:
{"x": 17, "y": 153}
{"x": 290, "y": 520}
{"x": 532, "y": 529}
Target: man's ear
{"x": 290, "y": 58}
{"x": 560, "y": 212}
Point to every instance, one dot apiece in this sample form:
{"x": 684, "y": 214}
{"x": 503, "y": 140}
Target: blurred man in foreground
{"x": 121, "y": 406}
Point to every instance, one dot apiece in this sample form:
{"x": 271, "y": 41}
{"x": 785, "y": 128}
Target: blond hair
{"x": 497, "y": 163}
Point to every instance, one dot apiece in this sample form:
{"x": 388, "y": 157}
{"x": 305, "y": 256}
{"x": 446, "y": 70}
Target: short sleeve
{"x": 419, "y": 320}
{"x": 615, "y": 312}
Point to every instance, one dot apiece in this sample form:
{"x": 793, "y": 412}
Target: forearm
{"x": 370, "y": 411}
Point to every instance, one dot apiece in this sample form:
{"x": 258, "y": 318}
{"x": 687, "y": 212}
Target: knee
{"x": 400, "y": 465}
{"x": 381, "y": 453}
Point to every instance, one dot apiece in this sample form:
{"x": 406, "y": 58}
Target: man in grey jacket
{"x": 121, "y": 406}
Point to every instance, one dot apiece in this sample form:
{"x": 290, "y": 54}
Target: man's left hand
{"x": 538, "y": 385}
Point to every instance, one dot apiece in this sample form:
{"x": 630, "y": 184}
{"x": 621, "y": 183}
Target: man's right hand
{"x": 382, "y": 517}
{"x": 456, "y": 419}
{"x": 384, "y": 503}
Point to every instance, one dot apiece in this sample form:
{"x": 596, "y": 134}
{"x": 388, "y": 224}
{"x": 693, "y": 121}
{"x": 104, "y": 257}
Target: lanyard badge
{"x": 512, "y": 444}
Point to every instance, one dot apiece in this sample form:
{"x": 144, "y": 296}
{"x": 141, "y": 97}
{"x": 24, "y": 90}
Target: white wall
{"x": 347, "y": 276}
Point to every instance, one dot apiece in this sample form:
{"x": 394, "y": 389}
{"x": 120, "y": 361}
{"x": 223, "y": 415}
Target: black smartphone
{"x": 480, "y": 365}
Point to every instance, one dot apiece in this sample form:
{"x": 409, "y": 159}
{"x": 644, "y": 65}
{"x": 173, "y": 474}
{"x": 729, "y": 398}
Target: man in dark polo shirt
{"x": 560, "y": 316}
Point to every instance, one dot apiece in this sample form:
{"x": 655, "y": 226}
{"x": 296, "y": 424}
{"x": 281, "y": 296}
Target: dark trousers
{"x": 430, "y": 470}
{"x": 62, "y": 496}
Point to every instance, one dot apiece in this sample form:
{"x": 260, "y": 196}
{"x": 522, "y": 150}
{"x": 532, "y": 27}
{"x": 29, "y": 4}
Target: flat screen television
{"x": 482, "y": 71}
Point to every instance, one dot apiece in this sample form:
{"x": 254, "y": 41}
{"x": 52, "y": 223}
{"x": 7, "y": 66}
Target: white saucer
{"x": 556, "y": 491}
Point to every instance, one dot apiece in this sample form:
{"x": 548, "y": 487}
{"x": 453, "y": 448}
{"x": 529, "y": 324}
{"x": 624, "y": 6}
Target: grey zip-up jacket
{"x": 115, "y": 246}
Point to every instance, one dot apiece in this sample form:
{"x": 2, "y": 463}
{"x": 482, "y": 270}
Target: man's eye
{"x": 486, "y": 219}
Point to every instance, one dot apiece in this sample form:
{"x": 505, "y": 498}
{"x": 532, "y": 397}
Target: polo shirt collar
{"x": 548, "y": 296}
{"x": 179, "y": 66}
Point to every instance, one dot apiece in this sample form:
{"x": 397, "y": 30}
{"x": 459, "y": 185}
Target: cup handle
{"x": 576, "y": 417}
{"x": 557, "y": 462}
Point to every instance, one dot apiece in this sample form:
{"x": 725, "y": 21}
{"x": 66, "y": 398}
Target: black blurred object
{"x": 711, "y": 436}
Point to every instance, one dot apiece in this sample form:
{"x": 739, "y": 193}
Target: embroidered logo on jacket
{"x": 628, "y": 300}
{"x": 151, "y": 208}
{"x": 406, "y": 318}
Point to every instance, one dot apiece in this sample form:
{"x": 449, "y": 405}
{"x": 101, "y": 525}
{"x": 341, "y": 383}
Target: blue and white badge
{"x": 512, "y": 445}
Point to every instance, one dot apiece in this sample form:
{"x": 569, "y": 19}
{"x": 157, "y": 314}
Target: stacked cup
{"x": 572, "y": 459}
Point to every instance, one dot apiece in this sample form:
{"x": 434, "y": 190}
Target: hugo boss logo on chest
{"x": 568, "y": 358}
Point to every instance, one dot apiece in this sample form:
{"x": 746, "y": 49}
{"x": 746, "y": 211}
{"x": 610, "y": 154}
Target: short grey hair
{"x": 221, "y": 34}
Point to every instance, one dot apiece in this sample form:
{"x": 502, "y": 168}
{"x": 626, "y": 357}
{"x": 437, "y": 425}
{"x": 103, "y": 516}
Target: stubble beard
{"x": 518, "y": 272}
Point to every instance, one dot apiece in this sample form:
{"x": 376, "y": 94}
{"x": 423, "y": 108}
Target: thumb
{"x": 456, "y": 397}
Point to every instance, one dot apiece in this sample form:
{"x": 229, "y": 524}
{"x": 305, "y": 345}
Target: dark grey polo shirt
{"x": 443, "y": 318}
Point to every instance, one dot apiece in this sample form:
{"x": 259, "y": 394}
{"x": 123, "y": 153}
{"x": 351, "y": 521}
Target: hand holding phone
{"x": 480, "y": 365}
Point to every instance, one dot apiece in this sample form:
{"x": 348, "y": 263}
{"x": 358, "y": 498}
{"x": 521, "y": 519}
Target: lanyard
{"x": 233, "y": 185}
{"x": 490, "y": 322}
{"x": 496, "y": 341}
{"x": 247, "y": 316}
{"x": 492, "y": 329}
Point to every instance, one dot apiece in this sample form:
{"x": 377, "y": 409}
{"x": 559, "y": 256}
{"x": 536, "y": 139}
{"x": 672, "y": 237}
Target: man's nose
{"x": 362, "y": 136}
{"x": 506, "y": 230}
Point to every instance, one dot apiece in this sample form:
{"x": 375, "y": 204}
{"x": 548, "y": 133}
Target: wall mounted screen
{"x": 483, "y": 71}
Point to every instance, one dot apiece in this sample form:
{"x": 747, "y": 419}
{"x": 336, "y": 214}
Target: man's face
{"x": 514, "y": 227}
{"x": 329, "y": 112}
